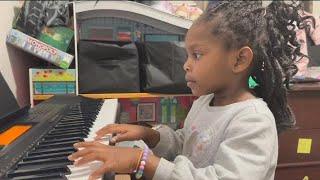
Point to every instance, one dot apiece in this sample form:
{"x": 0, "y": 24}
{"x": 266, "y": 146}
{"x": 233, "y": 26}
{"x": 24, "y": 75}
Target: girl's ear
{"x": 243, "y": 59}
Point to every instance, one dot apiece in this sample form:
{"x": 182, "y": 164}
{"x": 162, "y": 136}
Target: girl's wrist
{"x": 137, "y": 155}
{"x": 138, "y": 160}
{"x": 150, "y": 166}
{"x": 152, "y": 137}
{"x": 142, "y": 162}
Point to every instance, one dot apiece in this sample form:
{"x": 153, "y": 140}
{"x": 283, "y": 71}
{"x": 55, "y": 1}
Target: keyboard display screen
{"x": 13, "y": 133}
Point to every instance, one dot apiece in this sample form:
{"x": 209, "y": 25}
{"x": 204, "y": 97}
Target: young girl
{"x": 231, "y": 130}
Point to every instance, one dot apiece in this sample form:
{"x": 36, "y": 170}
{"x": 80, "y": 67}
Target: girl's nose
{"x": 186, "y": 66}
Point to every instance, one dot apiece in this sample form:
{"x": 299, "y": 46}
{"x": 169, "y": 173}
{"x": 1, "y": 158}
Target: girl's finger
{"x": 87, "y": 144}
{"x": 79, "y": 154}
{"x": 86, "y": 159}
{"x": 110, "y": 129}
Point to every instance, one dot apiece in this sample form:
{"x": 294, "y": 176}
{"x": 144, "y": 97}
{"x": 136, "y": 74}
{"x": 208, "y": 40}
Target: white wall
{"x": 14, "y": 63}
{"x": 316, "y": 8}
{"x": 6, "y": 10}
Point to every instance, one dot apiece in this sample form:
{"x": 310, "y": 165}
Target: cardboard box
{"x": 39, "y": 49}
{"x": 52, "y": 81}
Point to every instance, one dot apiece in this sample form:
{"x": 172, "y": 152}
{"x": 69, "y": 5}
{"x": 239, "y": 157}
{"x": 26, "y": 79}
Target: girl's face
{"x": 208, "y": 68}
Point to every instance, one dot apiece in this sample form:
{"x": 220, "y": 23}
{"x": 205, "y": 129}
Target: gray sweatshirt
{"x": 236, "y": 141}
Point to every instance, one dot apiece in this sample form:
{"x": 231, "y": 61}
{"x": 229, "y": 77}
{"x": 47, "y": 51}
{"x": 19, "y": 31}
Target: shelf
{"x": 134, "y": 11}
{"x": 294, "y": 88}
{"x": 115, "y": 95}
{"x": 39, "y": 49}
{"x": 41, "y": 97}
{"x": 130, "y": 95}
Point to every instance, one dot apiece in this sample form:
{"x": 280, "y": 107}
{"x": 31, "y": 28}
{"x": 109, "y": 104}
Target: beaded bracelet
{"x": 138, "y": 161}
{"x": 139, "y": 171}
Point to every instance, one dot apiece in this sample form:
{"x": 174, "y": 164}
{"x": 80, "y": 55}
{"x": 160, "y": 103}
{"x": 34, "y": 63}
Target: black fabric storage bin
{"x": 108, "y": 67}
{"x": 162, "y": 67}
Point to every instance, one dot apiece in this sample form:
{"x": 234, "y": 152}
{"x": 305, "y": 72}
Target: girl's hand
{"x": 126, "y": 132}
{"x": 114, "y": 159}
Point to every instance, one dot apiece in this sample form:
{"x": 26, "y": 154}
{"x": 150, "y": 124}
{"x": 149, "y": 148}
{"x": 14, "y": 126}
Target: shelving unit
{"x": 137, "y": 12}
{"x": 133, "y": 11}
{"x": 58, "y": 57}
{"x": 128, "y": 10}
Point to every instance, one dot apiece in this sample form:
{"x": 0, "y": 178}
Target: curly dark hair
{"x": 270, "y": 33}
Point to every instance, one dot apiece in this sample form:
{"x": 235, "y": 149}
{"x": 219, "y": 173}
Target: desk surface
{"x": 305, "y": 87}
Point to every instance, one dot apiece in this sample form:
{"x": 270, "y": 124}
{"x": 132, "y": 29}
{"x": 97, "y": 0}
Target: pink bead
{"x": 143, "y": 163}
{"x": 141, "y": 167}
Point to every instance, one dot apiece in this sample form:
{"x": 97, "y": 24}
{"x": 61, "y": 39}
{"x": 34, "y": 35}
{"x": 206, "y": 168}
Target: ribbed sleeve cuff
{"x": 162, "y": 147}
{"x": 164, "y": 170}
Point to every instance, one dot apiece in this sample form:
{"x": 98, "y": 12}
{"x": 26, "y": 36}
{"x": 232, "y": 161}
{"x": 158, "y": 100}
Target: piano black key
{"x": 65, "y": 135}
{"x": 39, "y": 170}
{"x": 61, "y": 140}
{"x": 74, "y": 124}
{"x": 76, "y": 120}
{"x": 44, "y": 151}
{"x": 48, "y": 164}
{"x": 64, "y": 132}
{"x": 72, "y": 128}
{"x": 75, "y": 129}
{"x": 47, "y": 155}
{"x": 45, "y": 161}
{"x": 73, "y": 121}
{"x": 87, "y": 119}
{"x": 78, "y": 115}
{"x": 58, "y": 144}
{"x": 53, "y": 176}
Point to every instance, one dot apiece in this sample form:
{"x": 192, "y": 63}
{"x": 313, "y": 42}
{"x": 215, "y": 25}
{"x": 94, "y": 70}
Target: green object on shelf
{"x": 164, "y": 110}
{"x": 173, "y": 110}
{"x": 64, "y": 65}
{"x": 58, "y": 37}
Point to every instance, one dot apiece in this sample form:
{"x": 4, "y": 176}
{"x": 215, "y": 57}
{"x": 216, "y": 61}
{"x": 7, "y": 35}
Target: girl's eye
{"x": 197, "y": 55}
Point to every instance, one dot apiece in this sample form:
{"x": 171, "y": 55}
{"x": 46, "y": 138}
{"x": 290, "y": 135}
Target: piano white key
{"x": 83, "y": 172}
{"x": 107, "y": 115}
